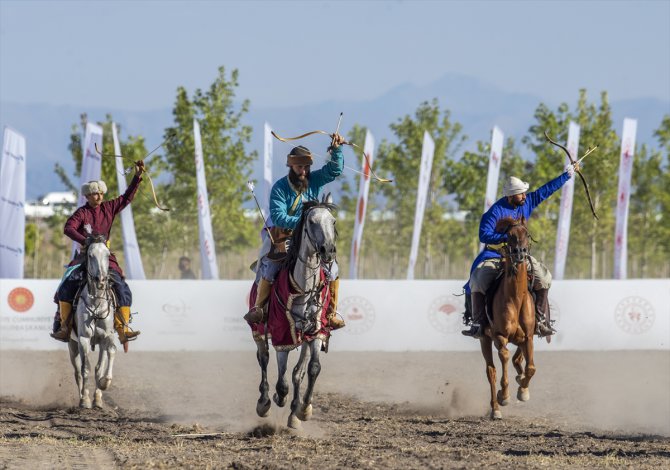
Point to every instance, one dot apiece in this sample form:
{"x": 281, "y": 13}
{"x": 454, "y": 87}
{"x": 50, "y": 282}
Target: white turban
{"x": 93, "y": 187}
{"x": 514, "y": 186}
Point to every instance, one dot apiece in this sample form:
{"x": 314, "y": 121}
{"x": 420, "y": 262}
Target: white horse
{"x": 95, "y": 322}
{"x": 312, "y": 243}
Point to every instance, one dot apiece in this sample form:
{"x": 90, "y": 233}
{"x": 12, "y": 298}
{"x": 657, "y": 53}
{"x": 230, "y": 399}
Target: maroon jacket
{"x": 100, "y": 220}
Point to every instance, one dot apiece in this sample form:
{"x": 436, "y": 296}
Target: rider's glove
{"x": 570, "y": 169}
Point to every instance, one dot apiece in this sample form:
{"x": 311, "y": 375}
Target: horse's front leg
{"x": 523, "y": 394}
{"x": 263, "y": 356}
{"x": 103, "y": 372}
{"x": 75, "y": 359}
{"x": 84, "y": 350}
{"x": 313, "y": 370}
{"x": 487, "y": 351}
{"x": 297, "y": 376}
{"x": 503, "y": 354}
{"x": 281, "y": 389}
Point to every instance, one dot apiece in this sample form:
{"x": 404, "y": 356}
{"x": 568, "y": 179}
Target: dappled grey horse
{"x": 95, "y": 321}
{"x": 312, "y": 245}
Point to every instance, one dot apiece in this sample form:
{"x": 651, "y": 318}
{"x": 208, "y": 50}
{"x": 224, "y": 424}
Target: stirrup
{"x": 542, "y": 330}
{"x": 254, "y": 315}
{"x": 58, "y": 336}
{"x": 476, "y": 331}
{"x": 335, "y": 323}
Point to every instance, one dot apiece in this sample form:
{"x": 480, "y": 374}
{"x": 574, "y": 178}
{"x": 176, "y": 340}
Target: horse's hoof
{"x": 523, "y": 394}
{"x": 496, "y": 414}
{"x": 85, "y": 403}
{"x": 263, "y": 408}
{"x": 293, "y": 422}
{"x": 519, "y": 378}
{"x": 304, "y": 413}
{"x": 502, "y": 401}
{"x": 105, "y": 383}
{"x": 280, "y": 402}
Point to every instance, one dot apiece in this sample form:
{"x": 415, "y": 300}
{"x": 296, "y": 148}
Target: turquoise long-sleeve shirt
{"x": 283, "y": 194}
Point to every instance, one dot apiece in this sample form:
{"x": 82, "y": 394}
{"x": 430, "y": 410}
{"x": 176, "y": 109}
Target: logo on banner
{"x": 176, "y": 313}
{"x": 20, "y": 299}
{"x": 634, "y": 315}
{"x": 358, "y": 313}
{"x": 444, "y": 313}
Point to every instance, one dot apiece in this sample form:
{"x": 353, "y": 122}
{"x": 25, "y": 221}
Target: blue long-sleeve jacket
{"x": 501, "y": 209}
{"x": 283, "y": 195}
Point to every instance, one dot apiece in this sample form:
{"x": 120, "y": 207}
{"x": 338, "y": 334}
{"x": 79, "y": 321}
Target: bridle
{"x": 93, "y": 301}
{"x": 517, "y": 255}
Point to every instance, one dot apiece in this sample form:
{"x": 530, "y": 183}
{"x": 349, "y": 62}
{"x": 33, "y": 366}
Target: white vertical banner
{"x": 210, "y": 270}
{"x": 91, "y": 163}
{"x": 495, "y": 157}
{"x": 361, "y": 206}
{"x": 12, "y": 204}
{"x": 267, "y": 171}
{"x": 131, "y": 249}
{"x": 422, "y": 193}
{"x": 623, "y": 197}
{"x": 565, "y": 211}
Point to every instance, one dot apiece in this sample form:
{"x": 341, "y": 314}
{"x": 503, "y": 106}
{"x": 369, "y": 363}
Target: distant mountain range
{"x": 478, "y": 106}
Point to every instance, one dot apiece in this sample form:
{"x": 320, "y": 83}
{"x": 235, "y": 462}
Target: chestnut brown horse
{"x": 513, "y": 317}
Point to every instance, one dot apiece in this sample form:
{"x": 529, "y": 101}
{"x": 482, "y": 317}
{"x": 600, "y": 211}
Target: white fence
{"x": 380, "y": 315}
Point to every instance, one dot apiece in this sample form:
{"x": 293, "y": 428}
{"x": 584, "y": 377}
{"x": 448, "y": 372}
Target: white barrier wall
{"x": 380, "y": 315}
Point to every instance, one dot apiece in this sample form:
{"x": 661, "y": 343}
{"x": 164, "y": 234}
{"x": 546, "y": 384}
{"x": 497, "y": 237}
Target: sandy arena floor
{"x": 371, "y": 410}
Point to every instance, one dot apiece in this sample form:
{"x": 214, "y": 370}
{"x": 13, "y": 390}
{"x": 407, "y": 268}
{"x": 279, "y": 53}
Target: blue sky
{"x": 134, "y": 54}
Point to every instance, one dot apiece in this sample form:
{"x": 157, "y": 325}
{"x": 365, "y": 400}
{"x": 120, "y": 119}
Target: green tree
{"x": 401, "y": 162}
{"x": 589, "y": 238}
{"x": 645, "y": 234}
{"x": 226, "y": 161}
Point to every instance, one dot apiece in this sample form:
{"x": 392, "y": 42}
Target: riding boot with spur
{"x": 256, "y": 314}
{"x": 63, "y": 334}
{"x": 121, "y": 320}
{"x": 478, "y": 316}
{"x": 334, "y": 321}
{"x": 542, "y": 328}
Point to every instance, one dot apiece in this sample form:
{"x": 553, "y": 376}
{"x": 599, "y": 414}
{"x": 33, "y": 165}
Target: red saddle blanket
{"x": 281, "y": 325}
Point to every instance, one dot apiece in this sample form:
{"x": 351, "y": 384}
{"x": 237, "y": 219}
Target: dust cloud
{"x": 618, "y": 391}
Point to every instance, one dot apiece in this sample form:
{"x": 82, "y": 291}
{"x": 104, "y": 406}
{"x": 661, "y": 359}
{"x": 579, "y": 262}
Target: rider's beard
{"x": 300, "y": 183}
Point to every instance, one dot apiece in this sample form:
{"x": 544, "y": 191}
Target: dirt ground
{"x": 371, "y": 410}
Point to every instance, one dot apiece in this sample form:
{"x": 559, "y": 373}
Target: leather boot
{"x": 478, "y": 316}
{"x": 121, "y": 320}
{"x": 63, "y": 334}
{"x": 256, "y": 314}
{"x": 334, "y": 321}
{"x": 542, "y": 328}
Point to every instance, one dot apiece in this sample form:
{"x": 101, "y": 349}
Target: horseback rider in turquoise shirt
{"x": 515, "y": 203}
{"x": 286, "y": 199}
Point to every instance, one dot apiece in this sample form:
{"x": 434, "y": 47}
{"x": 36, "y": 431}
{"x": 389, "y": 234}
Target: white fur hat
{"x": 93, "y": 187}
{"x": 514, "y": 186}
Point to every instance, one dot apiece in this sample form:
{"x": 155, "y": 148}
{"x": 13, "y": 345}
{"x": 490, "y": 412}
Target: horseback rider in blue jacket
{"x": 516, "y": 204}
{"x": 286, "y": 199}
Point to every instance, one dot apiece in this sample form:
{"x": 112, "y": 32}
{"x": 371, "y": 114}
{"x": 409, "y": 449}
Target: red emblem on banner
{"x": 20, "y": 299}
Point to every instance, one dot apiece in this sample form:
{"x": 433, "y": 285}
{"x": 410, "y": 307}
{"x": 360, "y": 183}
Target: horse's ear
{"x": 523, "y": 220}
{"x": 327, "y": 198}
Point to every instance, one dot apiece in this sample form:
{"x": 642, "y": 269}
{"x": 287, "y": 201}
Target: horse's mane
{"x": 296, "y": 236}
{"x": 97, "y": 238}
{"x": 505, "y": 223}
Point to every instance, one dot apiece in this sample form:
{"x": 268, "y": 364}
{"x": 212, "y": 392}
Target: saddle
{"x": 279, "y": 248}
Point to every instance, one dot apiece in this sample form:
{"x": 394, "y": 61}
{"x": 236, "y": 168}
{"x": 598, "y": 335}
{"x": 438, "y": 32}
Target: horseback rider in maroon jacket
{"x": 96, "y": 217}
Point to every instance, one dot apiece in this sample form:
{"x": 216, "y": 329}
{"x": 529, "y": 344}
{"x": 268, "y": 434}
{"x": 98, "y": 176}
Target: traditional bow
{"x": 574, "y": 163}
{"x": 144, "y": 171}
{"x": 332, "y": 136}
